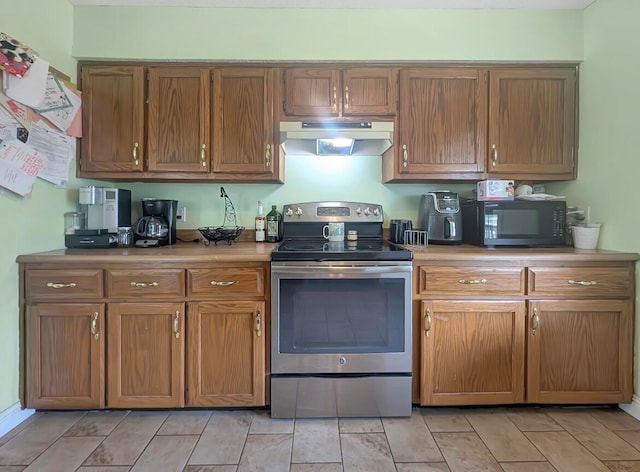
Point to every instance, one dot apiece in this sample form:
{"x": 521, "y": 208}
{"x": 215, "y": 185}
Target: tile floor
{"x": 432, "y": 439}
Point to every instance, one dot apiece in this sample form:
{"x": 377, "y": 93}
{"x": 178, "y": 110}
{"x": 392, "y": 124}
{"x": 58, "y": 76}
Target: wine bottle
{"x": 274, "y": 222}
{"x": 260, "y": 224}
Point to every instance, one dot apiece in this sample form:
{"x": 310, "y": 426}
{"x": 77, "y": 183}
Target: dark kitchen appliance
{"x": 537, "y": 223}
{"x": 340, "y": 316}
{"x": 104, "y": 211}
{"x": 440, "y": 217}
{"x": 157, "y": 227}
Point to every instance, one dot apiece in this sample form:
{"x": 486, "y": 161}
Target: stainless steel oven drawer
{"x": 340, "y": 396}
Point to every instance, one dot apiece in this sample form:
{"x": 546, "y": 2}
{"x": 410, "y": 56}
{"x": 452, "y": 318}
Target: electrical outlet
{"x": 181, "y": 214}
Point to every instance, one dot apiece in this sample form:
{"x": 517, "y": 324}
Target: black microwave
{"x": 532, "y": 223}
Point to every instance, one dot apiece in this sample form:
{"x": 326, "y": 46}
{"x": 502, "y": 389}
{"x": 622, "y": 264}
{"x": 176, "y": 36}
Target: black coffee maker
{"x": 157, "y": 227}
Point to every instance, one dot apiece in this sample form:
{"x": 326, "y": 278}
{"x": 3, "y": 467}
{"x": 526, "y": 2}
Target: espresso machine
{"x": 440, "y": 217}
{"x": 157, "y": 226}
{"x": 102, "y": 211}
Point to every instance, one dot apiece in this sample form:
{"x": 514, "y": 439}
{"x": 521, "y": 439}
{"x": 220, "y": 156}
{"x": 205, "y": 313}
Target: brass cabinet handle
{"x": 267, "y": 155}
{"x": 536, "y": 322}
{"x": 144, "y": 284}
{"x": 427, "y": 322}
{"x": 258, "y": 324}
{"x": 176, "y": 324}
{"x": 203, "y": 155}
{"x": 335, "y": 97}
{"x": 346, "y": 97}
{"x": 216, "y": 283}
{"x": 472, "y": 282}
{"x": 135, "y": 153}
{"x": 494, "y": 154}
{"x": 94, "y": 325}
{"x": 582, "y": 282}
{"x": 405, "y": 155}
{"x": 59, "y": 285}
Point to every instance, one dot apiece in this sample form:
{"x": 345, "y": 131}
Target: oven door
{"x": 341, "y": 317}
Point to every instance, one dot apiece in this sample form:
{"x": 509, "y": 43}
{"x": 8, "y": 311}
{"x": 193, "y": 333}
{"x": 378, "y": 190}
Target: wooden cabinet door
{"x": 312, "y": 92}
{"x": 442, "y": 123}
{"x": 225, "y": 356}
{"x": 178, "y": 124}
{"x": 472, "y": 352}
{"x": 532, "y": 119}
{"x": 112, "y": 119}
{"x": 369, "y": 91}
{"x": 65, "y": 355}
{"x": 145, "y": 359}
{"x": 244, "y": 140}
{"x": 580, "y": 351}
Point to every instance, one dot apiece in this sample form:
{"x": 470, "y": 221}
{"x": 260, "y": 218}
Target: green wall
{"x": 62, "y": 33}
{"x": 609, "y": 167}
{"x": 35, "y": 224}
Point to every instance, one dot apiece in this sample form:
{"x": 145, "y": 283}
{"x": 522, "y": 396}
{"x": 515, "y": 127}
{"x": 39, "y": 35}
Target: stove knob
{"x": 367, "y": 211}
{"x": 289, "y": 212}
{"x": 376, "y": 211}
{"x": 358, "y": 211}
{"x": 299, "y": 211}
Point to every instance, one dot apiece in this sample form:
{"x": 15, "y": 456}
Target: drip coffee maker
{"x": 157, "y": 227}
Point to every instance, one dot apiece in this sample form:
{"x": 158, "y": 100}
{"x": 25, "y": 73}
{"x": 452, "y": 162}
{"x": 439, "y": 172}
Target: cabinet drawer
{"x": 227, "y": 282}
{"x": 462, "y": 281}
{"x": 145, "y": 283}
{"x": 44, "y": 284}
{"x": 571, "y": 282}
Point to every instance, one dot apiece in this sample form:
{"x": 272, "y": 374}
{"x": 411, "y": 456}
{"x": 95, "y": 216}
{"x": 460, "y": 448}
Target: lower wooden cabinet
{"x": 472, "y": 352}
{"x": 145, "y": 355}
{"x": 65, "y": 358}
{"x": 575, "y": 322}
{"x": 225, "y": 355}
{"x": 580, "y": 351}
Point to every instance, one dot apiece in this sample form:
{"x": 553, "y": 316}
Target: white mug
{"x": 334, "y": 232}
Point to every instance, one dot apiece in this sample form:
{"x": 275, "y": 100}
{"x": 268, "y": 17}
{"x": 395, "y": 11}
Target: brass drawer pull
{"x": 94, "y": 325}
{"x": 472, "y": 282}
{"x": 59, "y": 285}
{"x": 135, "y": 153}
{"x": 536, "y": 322}
{"x": 216, "y": 283}
{"x": 258, "y": 324}
{"x": 427, "y": 322}
{"x": 582, "y": 282}
{"x": 176, "y": 324}
{"x": 144, "y": 284}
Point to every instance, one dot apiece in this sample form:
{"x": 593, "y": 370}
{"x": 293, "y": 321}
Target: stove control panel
{"x": 315, "y": 212}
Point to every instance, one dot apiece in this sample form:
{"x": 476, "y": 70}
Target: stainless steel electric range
{"x": 340, "y": 316}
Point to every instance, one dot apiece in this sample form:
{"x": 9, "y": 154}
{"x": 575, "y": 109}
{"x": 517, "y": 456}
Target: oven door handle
{"x": 304, "y": 271}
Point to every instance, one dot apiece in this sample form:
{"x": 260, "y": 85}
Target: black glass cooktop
{"x": 319, "y": 249}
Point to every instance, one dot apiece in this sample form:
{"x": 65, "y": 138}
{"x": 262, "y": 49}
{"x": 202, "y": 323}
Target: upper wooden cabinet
{"x": 178, "y": 122}
{"x": 532, "y": 117}
{"x": 245, "y": 142}
{"x": 337, "y": 92}
{"x": 189, "y": 110}
{"x": 442, "y": 123}
{"x": 472, "y": 123}
{"x": 113, "y": 120}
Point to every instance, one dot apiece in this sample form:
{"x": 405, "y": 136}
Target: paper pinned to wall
{"x": 63, "y": 117}
{"x": 30, "y": 89}
{"x": 57, "y": 150}
{"x": 8, "y": 125}
{"x": 19, "y": 167}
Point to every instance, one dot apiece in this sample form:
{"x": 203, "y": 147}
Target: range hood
{"x": 336, "y": 139}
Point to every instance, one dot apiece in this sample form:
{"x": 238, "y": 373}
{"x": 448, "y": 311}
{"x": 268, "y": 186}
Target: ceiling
{"x": 443, "y": 4}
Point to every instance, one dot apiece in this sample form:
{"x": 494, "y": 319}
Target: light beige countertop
{"x": 524, "y": 256}
{"x": 260, "y": 252}
{"x": 177, "y": 253}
